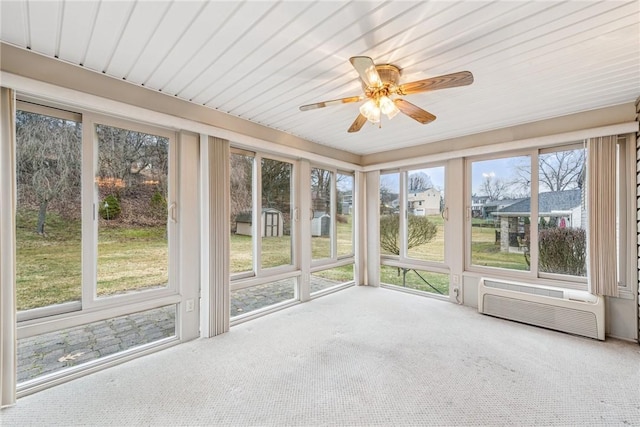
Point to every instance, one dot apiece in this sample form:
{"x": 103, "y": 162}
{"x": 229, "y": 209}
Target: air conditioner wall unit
{"x": 574, "y": 312}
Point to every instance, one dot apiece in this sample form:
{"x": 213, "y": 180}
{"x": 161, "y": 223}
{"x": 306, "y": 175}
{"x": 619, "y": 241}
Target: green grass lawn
{"x": 133, "y": 258}
{"x": 485, "y": 252}
{"x": 337, "y": 274}
{"x": 49, "y": 267}
{"x": 433, "y": 250}
{"x": 276, "y": 251}
{"x": 415, "y": 279}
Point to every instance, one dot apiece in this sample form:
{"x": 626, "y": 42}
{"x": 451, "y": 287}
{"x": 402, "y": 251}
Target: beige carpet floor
{"x": 362, "y": 356}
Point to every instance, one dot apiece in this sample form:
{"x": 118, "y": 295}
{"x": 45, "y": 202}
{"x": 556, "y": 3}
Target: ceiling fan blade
{"x": 332, "y": 102}
{"x": 415, "y": 112}
{"x": 462, "y": 78}
{"x": 358, "y": 123}
{"x": 367, "y": 70}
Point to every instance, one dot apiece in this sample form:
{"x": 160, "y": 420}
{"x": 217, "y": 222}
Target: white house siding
{"x": 429, "y": 200}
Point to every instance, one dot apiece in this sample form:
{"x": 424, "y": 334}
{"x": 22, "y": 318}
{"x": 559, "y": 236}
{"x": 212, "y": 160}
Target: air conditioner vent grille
{"x": 545, "y": 315}
{"x": 554, "y": 293}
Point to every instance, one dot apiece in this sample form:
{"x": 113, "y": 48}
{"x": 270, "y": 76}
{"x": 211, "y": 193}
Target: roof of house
{"x": 503, "y": 202}
{"x": 547, "y": 202}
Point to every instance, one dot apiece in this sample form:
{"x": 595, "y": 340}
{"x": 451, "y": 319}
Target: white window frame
{"x": 259, "y": 275}
{"x": 31, "y": 106}
{"x": 627, "y": 225}
{"x": 350, "y": 256}
{"x": 91, "y": 308}
{"x": 403, "y": 259}
{"x": 625, "y": 185}
{"x": 91, "y": 202}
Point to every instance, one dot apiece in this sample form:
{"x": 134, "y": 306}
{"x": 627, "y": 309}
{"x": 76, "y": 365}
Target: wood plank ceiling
{"x": 261, "y": 60}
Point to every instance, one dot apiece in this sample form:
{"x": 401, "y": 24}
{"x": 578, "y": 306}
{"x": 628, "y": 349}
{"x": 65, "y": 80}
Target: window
{"x": 562, "y": 214}
{"x": 275, "y": 219}
{"x": 263, "y": 270}
{"x": 625, "y": 191}
{"x": 330, "y": 277}
{"x": 412, "y": 230}
{"x": 331, "y": 234}
{"x": 390, "y": 214}
{"x": 49, "y": 211}
{"x": 344, "y": 213}
{"x": 132, "y": 183}
{"x": 101, "y": 251}
{"x": 322, "y": 213}
{"x": 425, "y": 209}
{"x": 64, "y": 349}
{"x": 331, "y": 215}
{"x": 537, "y": 222}
{"x": 501, "y": 190}
{"x": 242, "y": 232}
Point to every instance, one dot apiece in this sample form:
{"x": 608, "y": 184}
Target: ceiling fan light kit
{"x": 380, "y": 84}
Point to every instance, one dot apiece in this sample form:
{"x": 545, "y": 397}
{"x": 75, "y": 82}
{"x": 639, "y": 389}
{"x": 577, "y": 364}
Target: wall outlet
{"x": 189, "y": 305}
{"x": 456, "y": 279}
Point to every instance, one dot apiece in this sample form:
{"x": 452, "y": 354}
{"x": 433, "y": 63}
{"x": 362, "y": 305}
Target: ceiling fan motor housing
{"x": 389, "y": 74}
{"x": 390, "y": 77}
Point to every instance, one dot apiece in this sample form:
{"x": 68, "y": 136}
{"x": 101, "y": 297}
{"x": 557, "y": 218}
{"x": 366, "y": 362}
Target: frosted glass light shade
{"x": 388, "y": 108}
{"x": 371, "y": 111}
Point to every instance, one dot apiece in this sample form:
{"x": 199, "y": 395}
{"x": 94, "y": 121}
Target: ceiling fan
{"x": 380, "y": 84}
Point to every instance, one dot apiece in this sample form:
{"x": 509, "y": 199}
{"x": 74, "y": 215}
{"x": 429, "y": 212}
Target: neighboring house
{"x": 272, "y": 223}
{"x": 477, "y": 205}
{"x": 426, "y": 202}
{"x": 345, "y": 202}
{"x": 562, "y": 208}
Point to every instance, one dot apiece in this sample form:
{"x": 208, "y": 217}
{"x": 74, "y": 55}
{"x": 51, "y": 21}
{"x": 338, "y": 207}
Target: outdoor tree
{"x": 276, "y": 184}
{"x": 419, "y": 181}
{"x": 388, "y": 192}
{"x": 48, "y": 160}
{"x": 494, "y": 188}
{"x": 130, "y": 156}
{"x": 320, "y": 189}
{"x": 557, "y": 171}
{"x": 421, "y": 230}
{"x": 241, "y": 183}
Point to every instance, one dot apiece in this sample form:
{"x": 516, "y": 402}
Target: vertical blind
{"x": 601, "y": 161}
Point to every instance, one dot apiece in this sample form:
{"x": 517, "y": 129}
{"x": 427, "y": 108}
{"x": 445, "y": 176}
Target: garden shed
{"x": 320, "y": 224}
{"x": 272, "y": 223}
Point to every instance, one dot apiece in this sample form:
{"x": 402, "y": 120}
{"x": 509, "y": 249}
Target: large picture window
{"x": 529, "y": 213}
{"x": 95, "y": 221}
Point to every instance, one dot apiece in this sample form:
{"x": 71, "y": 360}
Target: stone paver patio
{"x": 47, "y": 353}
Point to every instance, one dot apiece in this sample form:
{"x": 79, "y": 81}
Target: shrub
{"x": 563, "y": 251}
{"x": 421, "y": 231}
{"x": 158, "y": 205}
{"x": 342, "y": 219}
{"x": 110, "y": 207}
